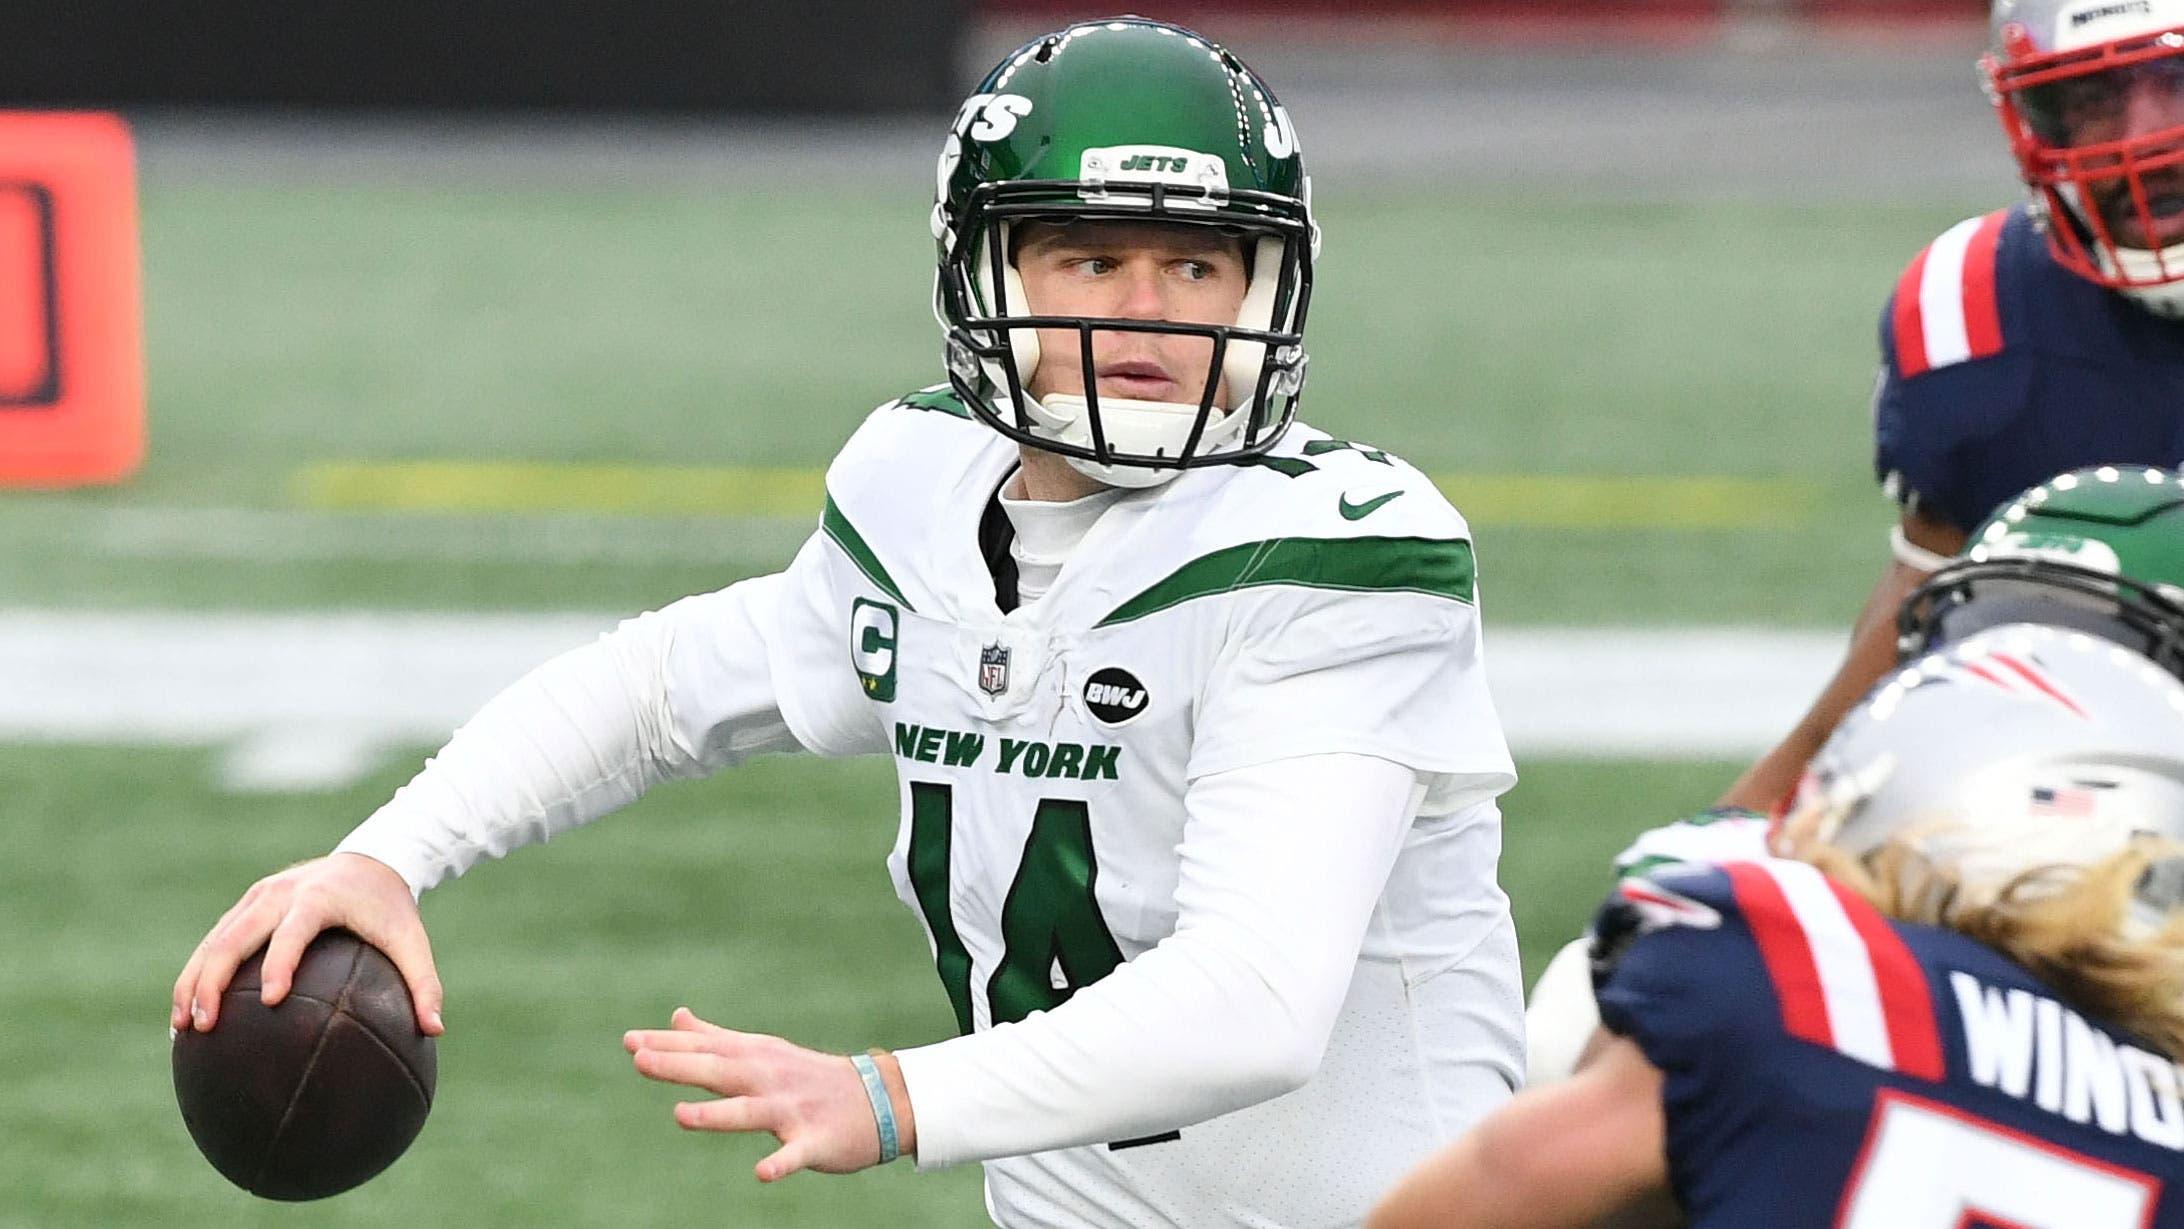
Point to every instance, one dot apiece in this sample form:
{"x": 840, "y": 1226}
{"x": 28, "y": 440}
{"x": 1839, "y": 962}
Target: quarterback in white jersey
{"x": 1198, "y": 766}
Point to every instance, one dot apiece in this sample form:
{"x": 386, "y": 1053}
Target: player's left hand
{"x": 813, "y": 1103}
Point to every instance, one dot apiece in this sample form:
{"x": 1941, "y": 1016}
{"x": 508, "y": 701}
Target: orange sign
{"x": 71, "y": 320}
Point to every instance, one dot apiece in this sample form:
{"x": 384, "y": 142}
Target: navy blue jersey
{"x": 2001, "y": 369}
{"x": 1826, "y": 1066}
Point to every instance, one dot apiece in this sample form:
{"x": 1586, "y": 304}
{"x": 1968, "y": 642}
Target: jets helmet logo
{"x": 990, "y": 117}
{"x": 1114, "y": 696}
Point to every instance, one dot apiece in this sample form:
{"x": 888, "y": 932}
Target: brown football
{"x": 314, "y": 1096}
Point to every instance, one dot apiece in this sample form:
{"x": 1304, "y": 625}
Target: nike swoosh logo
{"x": 1358, "y": 512}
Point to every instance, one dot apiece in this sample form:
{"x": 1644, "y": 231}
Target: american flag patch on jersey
{"x": 2066, "y": 802}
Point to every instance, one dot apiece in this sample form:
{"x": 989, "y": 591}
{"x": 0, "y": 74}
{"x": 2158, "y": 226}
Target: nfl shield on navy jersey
{"x": 2001, "y": 369}
{"x": 1826, "y": 1066}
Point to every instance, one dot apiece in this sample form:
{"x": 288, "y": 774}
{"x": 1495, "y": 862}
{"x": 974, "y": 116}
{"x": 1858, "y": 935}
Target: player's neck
{"x": 1048, "y": 477}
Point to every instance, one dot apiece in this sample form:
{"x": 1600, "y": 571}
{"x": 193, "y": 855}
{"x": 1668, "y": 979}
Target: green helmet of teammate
{"x": 2100, "y": 550}
{"x": 1133, "y": 120}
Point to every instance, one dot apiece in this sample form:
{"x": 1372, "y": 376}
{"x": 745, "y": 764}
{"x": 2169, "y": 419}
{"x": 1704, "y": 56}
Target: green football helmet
{"x": 1135, "y": 120}
{"x": 2100, "y": 550}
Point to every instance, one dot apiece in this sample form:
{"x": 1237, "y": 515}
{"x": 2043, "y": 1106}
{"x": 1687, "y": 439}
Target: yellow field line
{"x": 1620, "y": 501}
{"x": 1547, "y": 501}
{"x": 512, "y": 486}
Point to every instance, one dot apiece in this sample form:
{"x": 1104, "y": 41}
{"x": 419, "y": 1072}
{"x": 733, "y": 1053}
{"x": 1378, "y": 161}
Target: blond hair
{"x": 2070, "y": 926}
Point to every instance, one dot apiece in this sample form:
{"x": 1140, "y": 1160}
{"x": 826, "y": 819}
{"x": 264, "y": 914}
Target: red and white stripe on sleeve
{"x": 1945, "y": 310}
{"x": 1841, "y": 973}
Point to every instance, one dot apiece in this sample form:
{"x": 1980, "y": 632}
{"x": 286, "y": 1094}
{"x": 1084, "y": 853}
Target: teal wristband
{"x": 883, "y": 1106}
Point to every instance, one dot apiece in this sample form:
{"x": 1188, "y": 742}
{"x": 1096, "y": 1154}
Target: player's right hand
{"x": 285, "y": 911}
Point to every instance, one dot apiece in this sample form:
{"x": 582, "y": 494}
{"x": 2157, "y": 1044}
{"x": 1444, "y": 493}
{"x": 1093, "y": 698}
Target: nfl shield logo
{"x": 993, "y": 669}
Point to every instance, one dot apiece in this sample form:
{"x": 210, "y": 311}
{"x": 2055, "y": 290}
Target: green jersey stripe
{"x": 845, "y": 535}
{"x": 1437, "y": 567}
{"x": 939, "y": 397}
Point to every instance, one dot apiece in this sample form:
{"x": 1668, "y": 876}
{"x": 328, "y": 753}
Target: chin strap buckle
{"x": 961, "y": 362}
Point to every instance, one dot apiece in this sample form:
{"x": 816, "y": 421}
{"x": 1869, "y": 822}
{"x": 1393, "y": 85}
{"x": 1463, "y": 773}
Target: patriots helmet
{"x": 2091, "y": 98}
{"x": 1134, "y": 120}
{"x": 2020, "y": 747}
{"x": 2099, "y": 549}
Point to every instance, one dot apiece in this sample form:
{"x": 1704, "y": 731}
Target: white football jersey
{"x": 1721, "y": 835}
{"x": 1318, "y": 600}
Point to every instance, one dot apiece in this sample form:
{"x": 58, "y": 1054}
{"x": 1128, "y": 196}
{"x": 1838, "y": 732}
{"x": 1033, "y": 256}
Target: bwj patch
{"x": 1114, "y": 695}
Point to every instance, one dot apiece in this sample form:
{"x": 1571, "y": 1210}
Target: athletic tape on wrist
{"x": 1912, "y": 555}
{"x": 883, "y": 1106}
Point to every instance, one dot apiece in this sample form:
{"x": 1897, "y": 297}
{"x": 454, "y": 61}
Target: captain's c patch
{"x": 873, "y": 627}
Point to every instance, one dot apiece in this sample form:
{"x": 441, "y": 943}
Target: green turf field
{"x": 290, "y": 327}
{"x": 757, "y": 898}
{"x": 1489, "y": 336}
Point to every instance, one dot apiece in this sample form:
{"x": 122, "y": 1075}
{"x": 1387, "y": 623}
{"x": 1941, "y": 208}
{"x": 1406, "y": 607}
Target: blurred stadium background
{"x": 450, "y": 366}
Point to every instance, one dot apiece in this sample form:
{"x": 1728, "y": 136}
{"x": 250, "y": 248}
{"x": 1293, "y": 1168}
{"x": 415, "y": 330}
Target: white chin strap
{"x": 1141, "y": 428}
{"x": 2140, "y": 265}
{"x": 2144, "y": 266}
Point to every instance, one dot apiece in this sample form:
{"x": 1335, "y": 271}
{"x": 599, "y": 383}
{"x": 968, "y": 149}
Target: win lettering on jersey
{"x": 1022, "y": 756}
{"x": 2038, "y": 1050}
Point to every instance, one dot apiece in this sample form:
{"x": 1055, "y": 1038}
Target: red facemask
{"x": 2098, "y": 134}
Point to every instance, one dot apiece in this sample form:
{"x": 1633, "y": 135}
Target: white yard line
{"x": 305, "y": 701}
{"x": 1688, "y": 693}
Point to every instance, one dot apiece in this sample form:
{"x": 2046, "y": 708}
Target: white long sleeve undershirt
{"x": 680, "y": 692}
